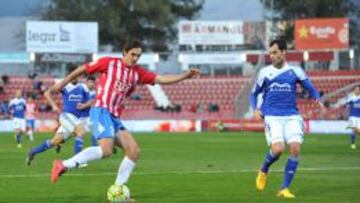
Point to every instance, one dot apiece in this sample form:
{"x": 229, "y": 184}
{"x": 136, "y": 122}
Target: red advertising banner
{"x": 329, "y": 33}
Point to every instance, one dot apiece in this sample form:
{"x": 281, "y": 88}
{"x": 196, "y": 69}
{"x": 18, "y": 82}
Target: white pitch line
{"x": 178, "y": 172}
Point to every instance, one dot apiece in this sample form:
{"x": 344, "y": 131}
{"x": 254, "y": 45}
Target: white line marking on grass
{"x": 179, "y": 172}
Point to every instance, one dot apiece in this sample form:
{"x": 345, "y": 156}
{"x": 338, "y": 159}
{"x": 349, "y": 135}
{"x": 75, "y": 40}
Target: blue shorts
{"x": 104, "y": 124}
{"x": 30, "y": 123}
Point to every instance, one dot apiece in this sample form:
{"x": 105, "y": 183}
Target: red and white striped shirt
{"x": 116, "y": 82}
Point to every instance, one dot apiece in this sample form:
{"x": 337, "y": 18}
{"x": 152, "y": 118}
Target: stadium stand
{"x": 194, "y": 97}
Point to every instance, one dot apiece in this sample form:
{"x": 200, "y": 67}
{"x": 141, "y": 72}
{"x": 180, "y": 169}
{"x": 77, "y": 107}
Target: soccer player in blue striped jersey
{"x": 75, "y": 101}
{"x": 17, "y": 107}
{"x": 353, "y": 103}
{"x": 85, "y": 107}
{"x": 283, "y": 124}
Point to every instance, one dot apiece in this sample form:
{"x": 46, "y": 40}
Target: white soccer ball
{"x": 118, "y": 193}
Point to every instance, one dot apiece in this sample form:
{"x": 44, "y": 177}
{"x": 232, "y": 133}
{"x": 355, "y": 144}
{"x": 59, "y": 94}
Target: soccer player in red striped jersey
{"x": 117, "y": 80}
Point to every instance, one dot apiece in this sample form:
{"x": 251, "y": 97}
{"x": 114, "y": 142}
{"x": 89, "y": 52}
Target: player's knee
{"x": 133, "y": 152}
{"x": 107, "y": 149}
{"x": 79, "y": 130}
{"x": 295, "y": 150}
{"x": 357, "y": 131}
{"x": 277, "y": 149}
{"x": 57, "y": 140}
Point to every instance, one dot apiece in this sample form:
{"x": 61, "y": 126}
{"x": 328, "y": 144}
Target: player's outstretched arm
{"x": 322, "y": 107}
{"x": 314, "y": 93}
{"x": 51, "y": 101}
{"x": 167, "y": 79}
{"x": 73, "y": 75}
{"x": 59, "y": 86}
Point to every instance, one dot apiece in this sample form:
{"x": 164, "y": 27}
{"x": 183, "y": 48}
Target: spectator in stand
{"x": 213, "y": 107}
{"x": 42, "y": 106}
{"x": 136, "y": 96}
{"x": 193, "y": 108}
{"x": 1, "y": 86}
{"x": 177, "y": 108}
{"x": 5, "y": 79}
{"x": 199, "y": 108}
{"x": 4, "y": 109}
{"x": 43, "y": 88}
{"x": 32, "y": 75}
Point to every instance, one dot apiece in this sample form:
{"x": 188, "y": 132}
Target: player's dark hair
{"x": 71, "y": 67}
{"x": 91, "y": 77}
{"x": 134, "y": 43}
{"x": 280, "y": 43}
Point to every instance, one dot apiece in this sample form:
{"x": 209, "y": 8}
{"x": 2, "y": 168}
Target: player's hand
{"x": 258, "y": 114}
{"x": 80, "y": 106}
{"x": 193, "y": 72}
{"x": 56, "y": 109}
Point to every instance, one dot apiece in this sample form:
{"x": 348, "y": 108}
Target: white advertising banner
{"x": 61, "y": 37}
{"x": 329, "y": 127}
{"x": 218, "y": 58}
{"x": 211, "y": 32}
{"x": 131, "y": 125}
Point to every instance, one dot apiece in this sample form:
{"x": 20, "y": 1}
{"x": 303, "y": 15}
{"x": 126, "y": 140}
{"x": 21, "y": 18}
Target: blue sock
{"x": 78, "y": 145}
{"x": 40, "y": 148}
{"x": 18, "y": 138}
{"x": 352, "y": 138}
{"x": 290, "y": 170}
{"x": 93, "y": 141}
{"x": 269, "y": 160}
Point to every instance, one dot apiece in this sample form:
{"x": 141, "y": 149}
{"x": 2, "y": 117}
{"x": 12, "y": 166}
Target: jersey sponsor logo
{"x": 122, "y": 87}
{"x": 19, "y": 108}
{"x": 75, "y": 97}
{"x": 283, "y": 87}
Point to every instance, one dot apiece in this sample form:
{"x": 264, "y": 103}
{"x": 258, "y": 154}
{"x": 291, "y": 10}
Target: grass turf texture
{"x": 186, "y": 167}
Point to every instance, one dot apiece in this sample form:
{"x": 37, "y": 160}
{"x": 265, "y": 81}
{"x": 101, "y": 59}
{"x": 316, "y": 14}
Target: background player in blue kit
{"x": 17, "y": 108}
{"x": 90, "y": 87}
{"x": 75, "y": 101}
{"x": 353, "y": 102}
{"x": 283, "y": 124}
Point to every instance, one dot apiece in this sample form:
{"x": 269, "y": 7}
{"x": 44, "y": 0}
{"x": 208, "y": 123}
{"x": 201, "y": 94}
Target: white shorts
{"x": 68, "y": 122}
{"x": 86, "y": 123}
{"x": 20, "y": 123}
{"x": 354, "y": 122}
{"x": 286, "y": 129}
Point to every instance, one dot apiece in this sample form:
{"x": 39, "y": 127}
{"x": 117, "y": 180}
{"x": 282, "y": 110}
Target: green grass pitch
{"x": 186, "y": 168}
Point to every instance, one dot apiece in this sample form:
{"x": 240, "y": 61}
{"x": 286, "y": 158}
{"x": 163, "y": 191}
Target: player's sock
{"x": 78, "y": 144}
{"x": 93, "y": 141}
{"x": 85, "y": 156}
{"x": 352, "y": 138}
{"x": 269, "y": 160}
{"x": 290, "y": 170}
{"x": 18, "y": 138}
{"x": 40, "y": 148}
{"x": 125, "y": 169}
{"x": 30, "y": 135}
